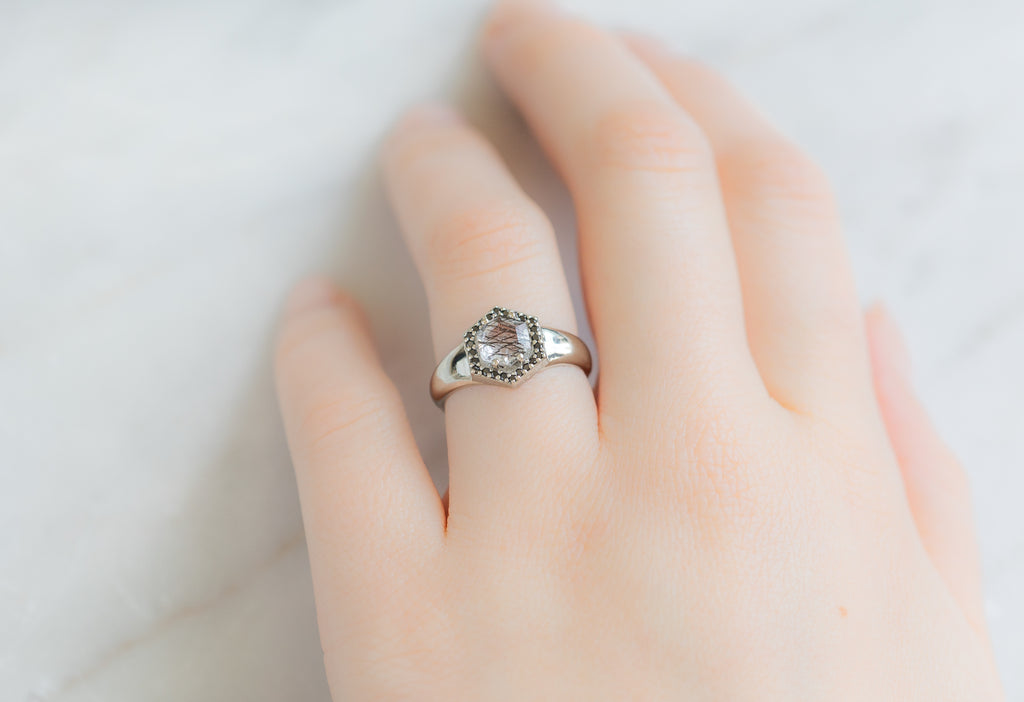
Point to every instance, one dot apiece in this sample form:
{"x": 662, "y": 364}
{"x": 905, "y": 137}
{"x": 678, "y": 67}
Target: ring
{"x": 505, "y": 348}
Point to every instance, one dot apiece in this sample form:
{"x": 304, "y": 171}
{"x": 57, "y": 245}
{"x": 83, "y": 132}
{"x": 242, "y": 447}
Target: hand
{"x": 753, "y": 506}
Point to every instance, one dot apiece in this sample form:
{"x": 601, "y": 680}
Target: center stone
{"x": 503, "y": 344}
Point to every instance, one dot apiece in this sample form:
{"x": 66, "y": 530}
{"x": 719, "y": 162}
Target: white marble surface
{"x": 167, "y": 169}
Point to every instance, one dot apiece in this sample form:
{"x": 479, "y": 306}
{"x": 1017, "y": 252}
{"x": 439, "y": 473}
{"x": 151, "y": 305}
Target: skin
{"x": 754, "y": 506}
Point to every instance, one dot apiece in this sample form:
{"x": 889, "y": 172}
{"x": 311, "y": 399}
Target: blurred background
{"x": 167, "y": 170}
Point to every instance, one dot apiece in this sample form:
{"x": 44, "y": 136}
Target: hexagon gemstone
{"x": 504, "y": 344}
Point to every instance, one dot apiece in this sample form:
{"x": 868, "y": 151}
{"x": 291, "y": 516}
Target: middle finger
{"x": 657, "y": 261}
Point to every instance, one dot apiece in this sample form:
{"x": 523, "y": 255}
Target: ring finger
{"x": 479, "y": 241}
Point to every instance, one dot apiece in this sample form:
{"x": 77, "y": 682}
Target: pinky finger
{"x": 370, "y": 510}
{"x": 936, "y": 485}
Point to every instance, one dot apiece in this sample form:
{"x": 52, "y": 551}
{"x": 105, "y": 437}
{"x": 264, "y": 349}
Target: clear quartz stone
{"x": 503, "y": 344}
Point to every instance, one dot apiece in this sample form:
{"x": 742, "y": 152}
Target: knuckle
{"x": 486, "y": 240}
{"x": 581, "y": 537}
{"x": 776, "y": 170}
{"x": 723, "y": 455}
{"x": 713, "y": 452}
{"x": 855, "y": 475}
{"x": 649, "y": 136}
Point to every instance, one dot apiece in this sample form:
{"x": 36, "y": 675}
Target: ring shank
{"x": 453, "y": 371}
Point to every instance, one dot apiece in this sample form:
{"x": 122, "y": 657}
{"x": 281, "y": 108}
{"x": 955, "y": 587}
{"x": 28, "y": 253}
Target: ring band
{"x": 505, "y": 348}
